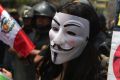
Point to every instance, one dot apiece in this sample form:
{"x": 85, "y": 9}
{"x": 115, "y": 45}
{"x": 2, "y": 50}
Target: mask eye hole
{"x": 55, "y": 29}
{"x": 71, "y": 33}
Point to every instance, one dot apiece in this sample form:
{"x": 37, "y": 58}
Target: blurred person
{"x": 43, "y": 15}
{"x": 104, "y": 37}
{"x": 103, "y": 45}
{"x": 12, "y": 35}
{"x": 27, "y": 17}
{"x": 23, "y": 68}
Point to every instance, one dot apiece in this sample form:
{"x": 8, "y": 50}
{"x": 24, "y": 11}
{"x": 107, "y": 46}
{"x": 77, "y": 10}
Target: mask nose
{"x": 59, "y": 39}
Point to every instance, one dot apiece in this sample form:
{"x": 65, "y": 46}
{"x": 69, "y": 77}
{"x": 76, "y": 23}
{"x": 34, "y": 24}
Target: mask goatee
{"x": 55, "y": 56}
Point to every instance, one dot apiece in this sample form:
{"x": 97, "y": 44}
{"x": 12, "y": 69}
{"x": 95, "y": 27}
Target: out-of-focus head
{"x": 72, "y": 28}
{"x": 43, "y": 14}
{"x": 27, "y": 11}
{"x": 27, "y": 15}
{"x": 59, "y": 3}
{"x": 44, "y": 9}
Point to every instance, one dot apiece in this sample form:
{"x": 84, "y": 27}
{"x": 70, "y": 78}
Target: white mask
{"x": 68, "y": 37}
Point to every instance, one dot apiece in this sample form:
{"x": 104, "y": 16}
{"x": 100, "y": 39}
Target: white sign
{"x": 114, "y": 62}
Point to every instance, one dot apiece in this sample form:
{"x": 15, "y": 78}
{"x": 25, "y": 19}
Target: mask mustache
{"x": 60, "y": 48}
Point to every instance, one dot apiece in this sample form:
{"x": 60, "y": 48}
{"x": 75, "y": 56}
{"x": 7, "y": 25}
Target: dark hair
{"x": 85, "y": 11}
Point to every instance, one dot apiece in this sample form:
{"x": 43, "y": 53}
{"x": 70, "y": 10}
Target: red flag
{"x": 12, "y": 34}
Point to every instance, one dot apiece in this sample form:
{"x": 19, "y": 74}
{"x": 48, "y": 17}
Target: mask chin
{"x": 58, "y": 58}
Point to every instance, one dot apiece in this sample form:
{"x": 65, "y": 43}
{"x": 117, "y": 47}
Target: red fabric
{"x": 22, "y": 44}
{"x": 116, "y": 64}
{"x": 1, "y": 9}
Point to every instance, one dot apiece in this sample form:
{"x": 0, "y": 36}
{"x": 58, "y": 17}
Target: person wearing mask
{"x": 72, "y": 36}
